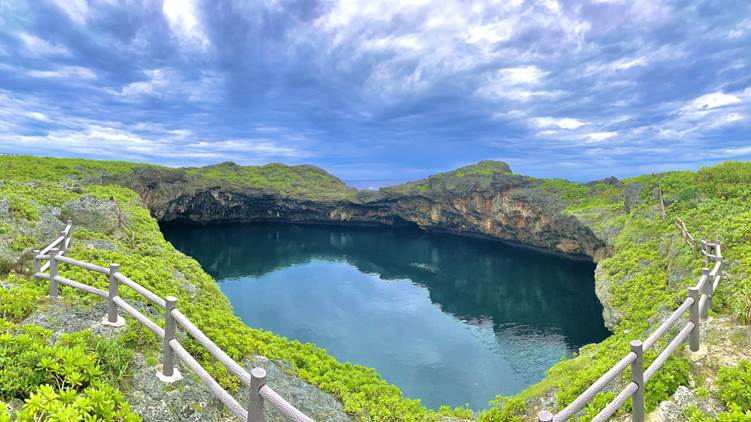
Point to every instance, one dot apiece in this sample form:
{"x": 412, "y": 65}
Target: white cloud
{"x": 740, "y": 29}
{"x": 168, "y": 83}
{"x": 37, "y": 47}
{"x": 37, "y": 116}
{"x": 97, "y": 139}
{"x": 183, "y": 21}
{"x": 599, "y": 136}
{"x": 518, "y": 84}
{"x": 433, "y": 40}
{"x": 525, "y": 75}
{"x": 713, "y": 100}
{"x": 77, "y": 10}
{"x": 624, "y": 64}
{"x": 561, "y": 123}
{"x": 263, "y": 147}
{"x": 66, "y": 72}
{"x": 492, "y": 33}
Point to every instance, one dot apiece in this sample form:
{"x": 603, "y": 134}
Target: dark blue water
{"x": 450, "y": 320}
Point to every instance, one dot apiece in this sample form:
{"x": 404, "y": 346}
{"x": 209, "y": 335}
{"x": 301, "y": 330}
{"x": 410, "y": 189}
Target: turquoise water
{"x": 449, "y": 320}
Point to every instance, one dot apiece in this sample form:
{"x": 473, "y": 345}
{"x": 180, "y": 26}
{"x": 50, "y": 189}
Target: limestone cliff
{"x": 485, "y": 199}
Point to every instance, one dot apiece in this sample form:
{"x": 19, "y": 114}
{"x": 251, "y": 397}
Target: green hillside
{"x": 81, "y": 375}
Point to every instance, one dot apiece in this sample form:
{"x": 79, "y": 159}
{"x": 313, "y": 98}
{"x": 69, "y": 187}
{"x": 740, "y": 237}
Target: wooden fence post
{"x": 694, "y": 317}
{"x": 706, "y": 250}
{"x": 37, "y": 265}
{"x": 706, "y": 290}
{"x": 545, "y": 416}
{"x": 53, "y": 272}
{"x": 255, "y": 401}
{"x": 69, "y": 238}
{"x": 168, "y": 355}
{"x": 637, "y": 376}
{"x": 113, "y": 319}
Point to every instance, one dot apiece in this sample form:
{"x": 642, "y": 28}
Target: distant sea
{"x": 374, "y": 184}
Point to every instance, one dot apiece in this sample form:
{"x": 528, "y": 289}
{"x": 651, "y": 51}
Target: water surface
{"x": 450, "y": 320}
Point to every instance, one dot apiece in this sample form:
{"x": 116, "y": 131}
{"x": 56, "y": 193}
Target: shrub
{"x": 734, "y": 385}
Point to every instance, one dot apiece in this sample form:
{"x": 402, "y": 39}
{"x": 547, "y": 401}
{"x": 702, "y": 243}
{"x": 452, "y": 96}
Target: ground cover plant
{"x": 646, "y": 276}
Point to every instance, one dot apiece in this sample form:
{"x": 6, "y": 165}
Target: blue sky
{"x": 378, "y": 92}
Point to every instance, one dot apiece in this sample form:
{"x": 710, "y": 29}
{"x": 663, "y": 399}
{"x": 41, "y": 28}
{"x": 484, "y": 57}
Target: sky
{"x": 380, "y": 92}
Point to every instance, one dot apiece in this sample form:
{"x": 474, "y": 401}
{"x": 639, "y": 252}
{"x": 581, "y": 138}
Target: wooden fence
{"x": 685, "y": 233}
{"x": 260, "y": 392}
{"x": 697, "y": 304}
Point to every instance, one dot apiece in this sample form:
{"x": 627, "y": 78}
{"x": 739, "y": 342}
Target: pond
{"x": 448, "y": 319}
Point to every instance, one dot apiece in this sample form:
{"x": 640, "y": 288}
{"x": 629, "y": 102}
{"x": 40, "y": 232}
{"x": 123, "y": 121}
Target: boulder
{"x": 674, "y": 410}
{"x": 99, "y": 215}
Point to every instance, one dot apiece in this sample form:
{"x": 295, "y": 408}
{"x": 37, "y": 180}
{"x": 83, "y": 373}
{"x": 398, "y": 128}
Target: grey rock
{"x": 190, "y": 400}
{"x": 4, "y": 208}
{"x": 62, "y": 318}
{"x": 674, "y": 410}
{"x": 32, "y": 184}
{"x": 100, "y": 215}
{"x": 603, "y": 283}
{"x": 98, "y": 244}
{"x": 185, "y": 400}
{"x": 632, "y": 195}
{"x": 191, "y": 289}
{"x": 49, "y": 225}
{"x": 309, "y": 399}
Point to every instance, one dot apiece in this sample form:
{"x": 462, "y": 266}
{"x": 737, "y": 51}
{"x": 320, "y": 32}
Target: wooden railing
{"x": 260, "y": 392}
{"x": 685, "y": 233}
{"x": 697, "y": 304}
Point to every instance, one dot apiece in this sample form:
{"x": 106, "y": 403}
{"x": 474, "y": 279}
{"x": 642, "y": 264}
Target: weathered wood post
{"x": 255, "y": 401}
{"x": 168, "y": 355}
{"x": 112, "y": 318}
{"x": 37, "y": 265}
{"x": 694, "y": 317}
{"x": 706, "y": 290}
{"x": 545, "y": 416}
{"x": 637, "y": 377}
{"x": 69, "y": 238}
{"x": 53, "y": 272}
{"x": 705, "y": 244}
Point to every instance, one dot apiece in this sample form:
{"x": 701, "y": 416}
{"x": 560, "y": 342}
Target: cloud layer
{"x": 381, "y": 92}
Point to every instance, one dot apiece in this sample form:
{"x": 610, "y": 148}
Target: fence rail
{"x": 685, "y": 233}
{"x": 697, "y": 305}
{"x": 260, "y": 392}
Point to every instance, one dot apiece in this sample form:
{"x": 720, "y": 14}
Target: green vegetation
{"x": 734, "y": 386}
{"x": 296, "y": 181}
{"x": 650, "y": 268}
{"x": 303, "y": 181}
{"x": 70, "y": 380}
{"x": 154, "y": 263}
{"x": 734, "y": 393}
{"x": 646, "y": 276}
{"x": 480, "y": 175}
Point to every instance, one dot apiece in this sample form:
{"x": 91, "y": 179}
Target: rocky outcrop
{"x": 482, "y": 200}
{"x": 96, "y": 214}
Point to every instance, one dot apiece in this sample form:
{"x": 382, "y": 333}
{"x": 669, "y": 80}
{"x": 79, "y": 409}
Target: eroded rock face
{"x": 501, "y": 206}
{"x": 93, "y": 213}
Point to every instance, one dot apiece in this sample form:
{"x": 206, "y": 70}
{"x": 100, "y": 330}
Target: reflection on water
{"x": 449, "y": 320}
